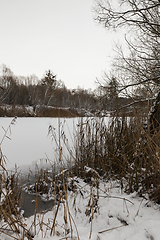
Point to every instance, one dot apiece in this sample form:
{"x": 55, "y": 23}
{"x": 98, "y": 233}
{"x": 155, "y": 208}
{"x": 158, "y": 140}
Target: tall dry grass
{"x": 122, "y": 149}
{"x": 11, "y": 221}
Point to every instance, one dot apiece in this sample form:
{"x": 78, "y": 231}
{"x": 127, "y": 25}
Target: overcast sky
{"x": 61, "y": 35}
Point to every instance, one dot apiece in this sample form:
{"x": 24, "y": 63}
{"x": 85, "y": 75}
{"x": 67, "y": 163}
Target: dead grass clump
{"x": 105, "y": 147}
{"x": 121, "y": 148}
{"x": 10, "y": 193}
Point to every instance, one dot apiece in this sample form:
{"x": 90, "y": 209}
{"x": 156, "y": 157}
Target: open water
{"x": 28, "y": 204}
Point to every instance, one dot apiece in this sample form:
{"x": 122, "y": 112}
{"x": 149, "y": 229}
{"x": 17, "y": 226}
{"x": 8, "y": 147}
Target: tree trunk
{"x": 154, "y": 116}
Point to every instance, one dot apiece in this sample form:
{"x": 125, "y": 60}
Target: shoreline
{"x": 37, "y": 111}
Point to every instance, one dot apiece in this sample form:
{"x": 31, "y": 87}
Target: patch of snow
{"x": 119, "y": 216}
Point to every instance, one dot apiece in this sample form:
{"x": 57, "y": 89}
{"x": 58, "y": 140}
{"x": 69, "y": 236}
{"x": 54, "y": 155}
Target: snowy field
{"x": 29, "y": 140}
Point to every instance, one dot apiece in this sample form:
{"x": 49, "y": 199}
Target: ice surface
{"x": 30, "y": 141}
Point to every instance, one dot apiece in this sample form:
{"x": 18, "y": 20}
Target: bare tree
{"x": 8, "y": 85}
{"x": 131, "y": 13}
{"x": 142, "y": 17}
{"x": 139, "y": 66}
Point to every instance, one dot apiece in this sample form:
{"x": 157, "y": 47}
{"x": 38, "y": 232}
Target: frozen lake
{"x": 29, "y": 140}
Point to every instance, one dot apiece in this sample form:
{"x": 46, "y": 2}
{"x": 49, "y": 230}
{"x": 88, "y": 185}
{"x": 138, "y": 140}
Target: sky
{"x": 60, "y": 35}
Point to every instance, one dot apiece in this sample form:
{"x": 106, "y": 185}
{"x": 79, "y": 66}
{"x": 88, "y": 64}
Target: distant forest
{"x": 49, "y": 92}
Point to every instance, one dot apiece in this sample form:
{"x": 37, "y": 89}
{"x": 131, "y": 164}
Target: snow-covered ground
{"x": 110, "y": 215}
{"x": 117, "y": 216}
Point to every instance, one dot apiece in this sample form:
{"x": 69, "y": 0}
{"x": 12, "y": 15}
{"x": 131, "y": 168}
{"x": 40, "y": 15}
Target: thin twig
{"x": 111, "y": 229}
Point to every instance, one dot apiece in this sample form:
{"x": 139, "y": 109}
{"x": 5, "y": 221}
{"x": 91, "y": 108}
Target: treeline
{"x": 47, "y": 91}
